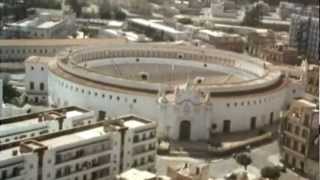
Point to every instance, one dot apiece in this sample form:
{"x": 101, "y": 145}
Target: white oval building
{"x": 191, "y": 92}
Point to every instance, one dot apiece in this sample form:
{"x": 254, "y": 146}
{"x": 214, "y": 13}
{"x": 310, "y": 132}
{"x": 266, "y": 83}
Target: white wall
{"x": 169, "y": 116}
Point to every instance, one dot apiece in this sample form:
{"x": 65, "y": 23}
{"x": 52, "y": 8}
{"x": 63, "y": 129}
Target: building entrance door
{"x": 185, "y": 131}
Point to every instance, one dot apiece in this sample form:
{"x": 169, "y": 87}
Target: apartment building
{"x": 299, "y": 141}
{"x": 280, "y": 54}
{"x": 304, "y": 35}
{"x": 222, "y": 40}
{"x": 92, "y": 152}
{"x": 36, "y": 86}
{"x": 258, "y": 41}
{"x": 19, "y": 128}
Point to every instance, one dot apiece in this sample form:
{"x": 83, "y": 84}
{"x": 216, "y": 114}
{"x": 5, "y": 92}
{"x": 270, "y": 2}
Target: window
{"x": 303, "y": 149}
{"x": 304, "y": 133}
{"x": 32, "y": 85}
{"x": 306, "y": 120}
{"x": 295, "y": 145}
{"x": 297, "y": 130}
{"x": 42, "y": 68}
{"x": 226, "y": 126}
{"x": 289, "y": 127}
{"x": 32, "y": 68}
{"x": 293, "y": 163}
{"x": 42, "y": 86}
{"x": 253, "y": 123}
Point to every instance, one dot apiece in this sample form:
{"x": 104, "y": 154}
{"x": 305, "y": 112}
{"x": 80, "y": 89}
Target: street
{"x": 266, "y": 155}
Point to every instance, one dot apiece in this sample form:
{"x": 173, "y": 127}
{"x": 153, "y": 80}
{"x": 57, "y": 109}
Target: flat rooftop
{"x": 60, "y": 42}
{"x": 306, "y": 103}
{"x": 30, "y": 122}
{"x": 38, "y": 59}
{"x": 133, "y": 123}
{"x": 21, "y": 127}
{"x": 74, "y": 137}
{"x": 218, "y": 33}
{"x": 258, "y": 30}
{"x": 152, "y": 24}
{"x": 58, "y": 140}
{"x": 48, "y": 24}
{"x": 134, "y": 174}
{"x": 70, "y": 111}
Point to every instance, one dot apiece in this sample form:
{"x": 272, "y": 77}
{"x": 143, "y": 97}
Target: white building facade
{"x": 18, "y": 128}
{"x": 90, "y": 152}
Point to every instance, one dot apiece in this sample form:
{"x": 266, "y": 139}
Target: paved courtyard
{"x": 261, "y": 156}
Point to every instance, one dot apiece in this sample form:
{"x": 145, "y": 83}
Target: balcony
{"x": 83, "y": 166}
{"x": 80, "y": 153}
{"x": 137, "y": 139}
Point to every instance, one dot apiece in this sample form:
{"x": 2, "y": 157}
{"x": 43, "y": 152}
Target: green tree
{"x": 105, "y": 10}
{"x": 9, "y": 93}
{"x": 119, "y": 14}
{"x": 253, "y": 16}
{"x": 142, "y": 7}
{"x": 185, "y": 21}
{"x": 243, "y": 159}
{"x": 271, "y": 172}
{"x": 76, "y": 6}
